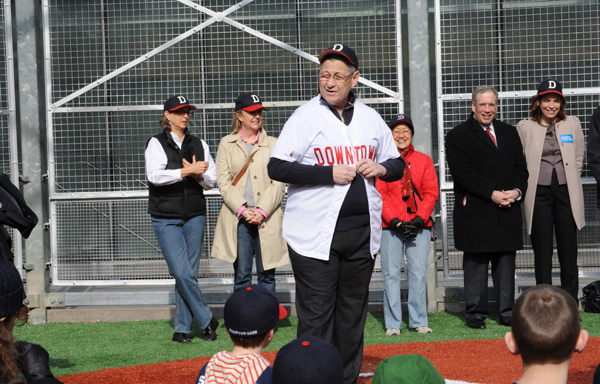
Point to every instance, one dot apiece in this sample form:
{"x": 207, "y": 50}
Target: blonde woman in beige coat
{"x": 249, "y": 225}
{"x": 553, "y": 145}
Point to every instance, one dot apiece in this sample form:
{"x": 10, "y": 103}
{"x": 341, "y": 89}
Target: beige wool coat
{"x": 532, "y": 136}
{"x": 232, "y": 155}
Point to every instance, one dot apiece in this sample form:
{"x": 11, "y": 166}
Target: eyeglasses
{"x": 325, "y": 76}
{"x": 181, "y": 113}
{"x": 22, "y": 316}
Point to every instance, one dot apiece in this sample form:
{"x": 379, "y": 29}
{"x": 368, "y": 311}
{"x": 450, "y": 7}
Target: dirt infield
{"x": 473, "y": 361}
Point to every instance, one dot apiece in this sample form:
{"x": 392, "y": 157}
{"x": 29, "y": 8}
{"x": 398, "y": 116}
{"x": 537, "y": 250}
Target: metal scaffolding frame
{"x": 64, "y": 201}
{"x": 515, "y": 64}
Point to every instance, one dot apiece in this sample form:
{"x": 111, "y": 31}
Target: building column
{"x": 30, "y": 104}
{"x": 419, "y": 74}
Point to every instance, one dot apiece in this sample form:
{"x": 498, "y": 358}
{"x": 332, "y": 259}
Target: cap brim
{"x": 551, "y": 91}
{"x": 183, "y": 105}
{"x": 255, "y": 107}
{"x": 393, "y": 124}
{"x": 329, "y": 52}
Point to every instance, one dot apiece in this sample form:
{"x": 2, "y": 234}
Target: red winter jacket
{"x": 425, "y": 181}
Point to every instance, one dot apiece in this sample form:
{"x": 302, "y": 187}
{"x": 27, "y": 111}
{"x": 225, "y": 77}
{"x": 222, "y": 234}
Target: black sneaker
{"x": 210, "y": 333}
{"x": 181, "y": 338}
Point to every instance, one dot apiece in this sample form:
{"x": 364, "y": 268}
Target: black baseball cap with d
{"x": 176, "y": 102}
{"x": 251, "y": 311}
{"x": 550, "y": 86}
{"x": 404, "y": 119}
{"x": 340, "y": 50}
{"x": 249, "y": 102}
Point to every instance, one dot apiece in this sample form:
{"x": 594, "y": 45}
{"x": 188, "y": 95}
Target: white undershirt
{"x": 156, "y": 161}
{"x": 493, "y": 132}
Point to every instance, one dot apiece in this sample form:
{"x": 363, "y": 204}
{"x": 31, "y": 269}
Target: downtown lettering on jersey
{"x": 344, "y": 155}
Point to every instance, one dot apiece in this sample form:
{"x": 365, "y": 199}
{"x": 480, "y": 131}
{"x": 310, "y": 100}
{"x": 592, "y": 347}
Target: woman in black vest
{"x": 179, "y": 167}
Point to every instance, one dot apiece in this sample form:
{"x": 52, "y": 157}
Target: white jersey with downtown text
{"x": 314, "y": 136}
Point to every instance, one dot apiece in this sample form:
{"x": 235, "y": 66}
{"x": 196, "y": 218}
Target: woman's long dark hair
{"x": 8, "y": 355}
{"x": 536, "y": 110}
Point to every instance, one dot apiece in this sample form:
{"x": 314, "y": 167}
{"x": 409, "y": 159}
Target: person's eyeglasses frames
{"x": 181, "y": 113}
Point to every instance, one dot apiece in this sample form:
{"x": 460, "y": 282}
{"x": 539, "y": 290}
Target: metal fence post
{"x": 419, "y": 74}
{"x": 431, "y": 278}
{"x": 30, "y": 105}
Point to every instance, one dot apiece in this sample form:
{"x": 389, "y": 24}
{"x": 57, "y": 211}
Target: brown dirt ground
{"x": 473, "y": 361}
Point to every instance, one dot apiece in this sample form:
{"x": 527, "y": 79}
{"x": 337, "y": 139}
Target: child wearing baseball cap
{"x": 546, "y": 330}
{"x": 414, "y": 369}
{"x": 308, "y": 360}
{"x": 250, "y": 315}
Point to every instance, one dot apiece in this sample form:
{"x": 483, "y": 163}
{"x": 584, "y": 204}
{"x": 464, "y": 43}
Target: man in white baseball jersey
{"x": 330, "y": 152}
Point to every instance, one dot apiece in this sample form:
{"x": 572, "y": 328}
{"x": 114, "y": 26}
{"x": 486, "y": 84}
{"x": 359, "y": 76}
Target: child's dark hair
{"x": 248, "y": 342}
{"x": 545, "y": 325}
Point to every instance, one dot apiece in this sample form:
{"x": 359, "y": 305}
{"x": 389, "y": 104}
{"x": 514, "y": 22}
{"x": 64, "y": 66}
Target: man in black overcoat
{"x": 485, "y": 157}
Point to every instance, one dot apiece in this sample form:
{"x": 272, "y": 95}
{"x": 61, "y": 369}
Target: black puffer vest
{"x": 183, "y": 199}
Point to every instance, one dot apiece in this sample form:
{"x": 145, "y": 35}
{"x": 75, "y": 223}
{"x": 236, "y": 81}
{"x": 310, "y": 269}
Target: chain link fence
{"x": 113, "y": 64}
{"x": 513, "y": 45}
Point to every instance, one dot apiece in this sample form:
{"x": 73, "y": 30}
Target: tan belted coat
{"x": 231, "y": 158}
{"x": 572, "y": 148}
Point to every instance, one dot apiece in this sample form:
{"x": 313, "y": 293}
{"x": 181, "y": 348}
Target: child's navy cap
{"x": 308, "y": 360}
{"x": 251, "y": 311}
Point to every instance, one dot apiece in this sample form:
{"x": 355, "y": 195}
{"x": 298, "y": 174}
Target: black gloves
{"x": 33, "y": 361}
{"x": 410, "y": 229}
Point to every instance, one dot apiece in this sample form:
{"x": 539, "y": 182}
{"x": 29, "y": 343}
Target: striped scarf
{"x": 224, "y": 368}
{"x": 406, "y": 185}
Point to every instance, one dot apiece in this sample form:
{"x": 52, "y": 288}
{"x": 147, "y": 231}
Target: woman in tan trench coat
{"x": 249, "y": 225}
{"x": 553, "y": 146}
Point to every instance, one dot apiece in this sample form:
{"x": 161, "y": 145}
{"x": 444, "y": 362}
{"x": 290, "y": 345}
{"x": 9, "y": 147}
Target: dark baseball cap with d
{"x": 251, "y": 311}
{"x": 550, "y": 86}
{"x": 340, "y": 50}
{"x": 176, "y": 102}
{"x": 249, "y": 102}
{"x": 308, "y": 360}
{"x": 404, "y": 119}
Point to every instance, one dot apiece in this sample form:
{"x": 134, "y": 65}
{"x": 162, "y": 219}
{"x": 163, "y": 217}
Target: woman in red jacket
{"x": 407, "y": 208}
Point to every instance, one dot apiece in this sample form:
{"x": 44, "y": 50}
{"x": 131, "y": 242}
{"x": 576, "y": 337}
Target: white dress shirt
{"x": 156, "y": 161}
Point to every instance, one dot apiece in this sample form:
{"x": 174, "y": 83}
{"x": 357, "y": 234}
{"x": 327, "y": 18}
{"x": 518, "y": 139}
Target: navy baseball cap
{"x": 402, "y": 118}
{"x": 249, "y": 102}
{"x": 176, "y": 102}
{"x": 340, "y": 50}
{"x": 251, "y": 311}
{"x": 550, "y": 86}
{"x": 308, "y": 360}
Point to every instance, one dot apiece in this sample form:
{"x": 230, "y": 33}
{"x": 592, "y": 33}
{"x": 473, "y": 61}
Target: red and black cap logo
{"x": 340, "y": 50}
{"x": 176, "y": 102}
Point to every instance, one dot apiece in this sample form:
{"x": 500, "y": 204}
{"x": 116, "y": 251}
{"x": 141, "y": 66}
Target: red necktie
{"x": 489, "y": 132}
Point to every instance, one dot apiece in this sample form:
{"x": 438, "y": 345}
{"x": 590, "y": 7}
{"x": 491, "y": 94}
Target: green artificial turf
{"x": 87, "y": 347}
